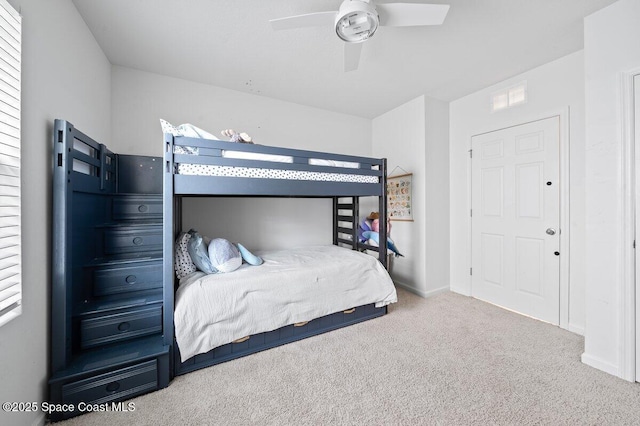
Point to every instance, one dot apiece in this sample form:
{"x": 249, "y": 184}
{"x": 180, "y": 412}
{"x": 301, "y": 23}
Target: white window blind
{"x": 10, "y": 233}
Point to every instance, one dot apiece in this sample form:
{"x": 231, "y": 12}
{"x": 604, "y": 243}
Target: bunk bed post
{"x": 168, "y": 239}
{"x": 355, "y": 202}
{"x": 62, "y": 243}
{"x": 335, "y": 220}
{"x": 382, "y": 208}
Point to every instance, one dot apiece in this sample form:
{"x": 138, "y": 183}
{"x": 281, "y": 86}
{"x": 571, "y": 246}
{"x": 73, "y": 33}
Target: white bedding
{"x": 291, "y": 286}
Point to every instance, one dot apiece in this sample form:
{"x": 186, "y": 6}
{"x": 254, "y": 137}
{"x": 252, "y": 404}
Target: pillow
{"x": 364, "y": 226}
{"x": 183, "y": 264}
{"x": 224, "y": 256}
{"x": 249, "y": 257}
{"x": 198, "y": 251}
{"x": 187, "y": 129}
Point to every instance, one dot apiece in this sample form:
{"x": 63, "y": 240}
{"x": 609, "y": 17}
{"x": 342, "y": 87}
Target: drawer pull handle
{"x": 137, "y": 241}
{"x": 349, "y": 311}
{"x": 143, "y": 208}
{"x": 301, "y": 324}
{"x": 113, "y": 387}
{"x": 242, "y": 339}
{"x": 131, "y": 279}
{"x": 124, "y": 326}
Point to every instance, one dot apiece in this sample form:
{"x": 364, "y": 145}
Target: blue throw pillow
{"x": 249, "y": 257}
{"x": 198, "y": 251}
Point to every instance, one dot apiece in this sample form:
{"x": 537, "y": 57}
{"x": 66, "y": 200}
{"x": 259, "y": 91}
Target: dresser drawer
{"x": 110, "y": 328}
{"x": 133, "y": 239}
{"x": 124, "y": 279}
{"x": 115, "y": 385}
{"x": 136, "y": 207}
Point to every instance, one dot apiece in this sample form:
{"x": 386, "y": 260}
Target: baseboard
{"x": 575, "y": 329}
{"x": 600, "y": 364}
{"x": 463, "y": 291}
{"x": 420, "y": 293}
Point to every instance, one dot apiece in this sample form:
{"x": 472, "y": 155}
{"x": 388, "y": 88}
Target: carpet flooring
{"x": 445, "y": 360}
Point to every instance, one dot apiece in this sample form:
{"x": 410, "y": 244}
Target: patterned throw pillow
{"x": 183, "y": 264}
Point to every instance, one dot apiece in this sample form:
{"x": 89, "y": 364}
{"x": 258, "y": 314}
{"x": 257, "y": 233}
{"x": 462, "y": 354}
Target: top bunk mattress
{"x": 291, "y": 286}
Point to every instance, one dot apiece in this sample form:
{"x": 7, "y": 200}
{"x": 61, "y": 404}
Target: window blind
{"x": 10, "y": 205}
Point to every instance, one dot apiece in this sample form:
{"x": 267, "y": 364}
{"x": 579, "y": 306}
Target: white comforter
{"x": 290, "y": 286}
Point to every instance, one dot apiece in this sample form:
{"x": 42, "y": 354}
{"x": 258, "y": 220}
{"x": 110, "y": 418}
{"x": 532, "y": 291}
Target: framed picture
{"x": 399, "y": 197}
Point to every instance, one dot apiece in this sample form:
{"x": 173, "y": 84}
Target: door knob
{"x": 551, "y": 231}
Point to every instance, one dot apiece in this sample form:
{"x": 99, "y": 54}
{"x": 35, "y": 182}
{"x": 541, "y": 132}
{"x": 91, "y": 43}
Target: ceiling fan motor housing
{"x": 356, "y": 21}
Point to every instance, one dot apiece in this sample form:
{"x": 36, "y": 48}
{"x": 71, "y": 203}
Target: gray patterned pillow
{"x": 183, "y": 264}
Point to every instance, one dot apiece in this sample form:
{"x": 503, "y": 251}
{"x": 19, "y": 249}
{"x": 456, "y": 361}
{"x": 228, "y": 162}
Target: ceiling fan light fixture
{"x": 356, "y": 21}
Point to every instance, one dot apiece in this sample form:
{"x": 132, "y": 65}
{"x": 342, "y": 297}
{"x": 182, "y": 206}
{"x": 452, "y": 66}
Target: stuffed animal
{"x": 369, "y": 232}
{"x": 237, "y": 137}
{"x": 212, "y": 257}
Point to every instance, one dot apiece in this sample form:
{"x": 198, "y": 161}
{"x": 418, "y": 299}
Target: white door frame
{"x": 628, "y": 294}
{"x": 563, "y": 115}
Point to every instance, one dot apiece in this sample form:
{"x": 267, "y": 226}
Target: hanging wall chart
{"x": 399, "y": 197}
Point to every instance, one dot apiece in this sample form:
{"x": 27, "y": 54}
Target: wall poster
{"x": 399, "y": 199}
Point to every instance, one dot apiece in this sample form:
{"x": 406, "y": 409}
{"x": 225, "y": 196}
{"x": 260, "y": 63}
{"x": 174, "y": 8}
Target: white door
{"x": 515, "y": 218}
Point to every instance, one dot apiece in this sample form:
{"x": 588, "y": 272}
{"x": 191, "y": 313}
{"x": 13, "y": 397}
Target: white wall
{"x": 611, "y": 48}
{"x": 437, "y": 214}
{"x": 414, "y": 138}
{"x": 551, "y": 89}
{"x": 140, "y": 99}
{"x": 64, "y": 75}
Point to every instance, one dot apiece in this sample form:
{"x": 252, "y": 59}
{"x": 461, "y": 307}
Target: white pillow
{"x": 224, "y": 256}
{"x": 187, "y": 129}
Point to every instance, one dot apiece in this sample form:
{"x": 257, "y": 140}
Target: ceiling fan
{"x": 357, "y": 20}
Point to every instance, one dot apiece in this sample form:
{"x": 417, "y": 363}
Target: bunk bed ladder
{"x": 346, "y": 212}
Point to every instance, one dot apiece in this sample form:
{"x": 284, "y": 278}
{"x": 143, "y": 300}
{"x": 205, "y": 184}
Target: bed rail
{"x": 89, "y": 165}
{"x": 80, "y": 165}
{"x": 300, "y": 176}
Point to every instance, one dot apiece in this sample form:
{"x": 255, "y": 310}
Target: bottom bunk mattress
{"x": 291, "y": 286}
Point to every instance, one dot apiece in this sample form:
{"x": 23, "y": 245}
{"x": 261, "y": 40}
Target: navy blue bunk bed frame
{"x": 345, "y": 197}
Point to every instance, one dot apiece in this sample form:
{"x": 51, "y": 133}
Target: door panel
{"x": 530, "y": 265}
{"x": 492, "y": 259}
{"x": 515, "y": 199}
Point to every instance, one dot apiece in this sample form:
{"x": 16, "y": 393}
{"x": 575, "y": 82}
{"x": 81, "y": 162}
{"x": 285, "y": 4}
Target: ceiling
{"x": 230, "y": 43}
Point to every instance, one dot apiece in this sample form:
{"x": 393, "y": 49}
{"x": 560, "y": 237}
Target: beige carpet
{"x": 446, "y": 360}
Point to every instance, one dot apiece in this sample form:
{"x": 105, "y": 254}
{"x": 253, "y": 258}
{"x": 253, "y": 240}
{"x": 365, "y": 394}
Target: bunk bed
{"x": 204, "y": 167}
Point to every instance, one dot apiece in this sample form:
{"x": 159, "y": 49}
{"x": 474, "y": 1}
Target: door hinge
{"x": 471, "y": 212}
{"x": 470, "y": 153}
{"x": 470, "y": 271}
{"x": 634, "y": 244}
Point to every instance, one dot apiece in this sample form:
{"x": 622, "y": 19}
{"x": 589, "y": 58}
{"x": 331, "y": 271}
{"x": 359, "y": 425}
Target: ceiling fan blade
{"x": 301, "y": 21}
{"x": 352, "y": 56}
{"x": 411, "y": 14}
